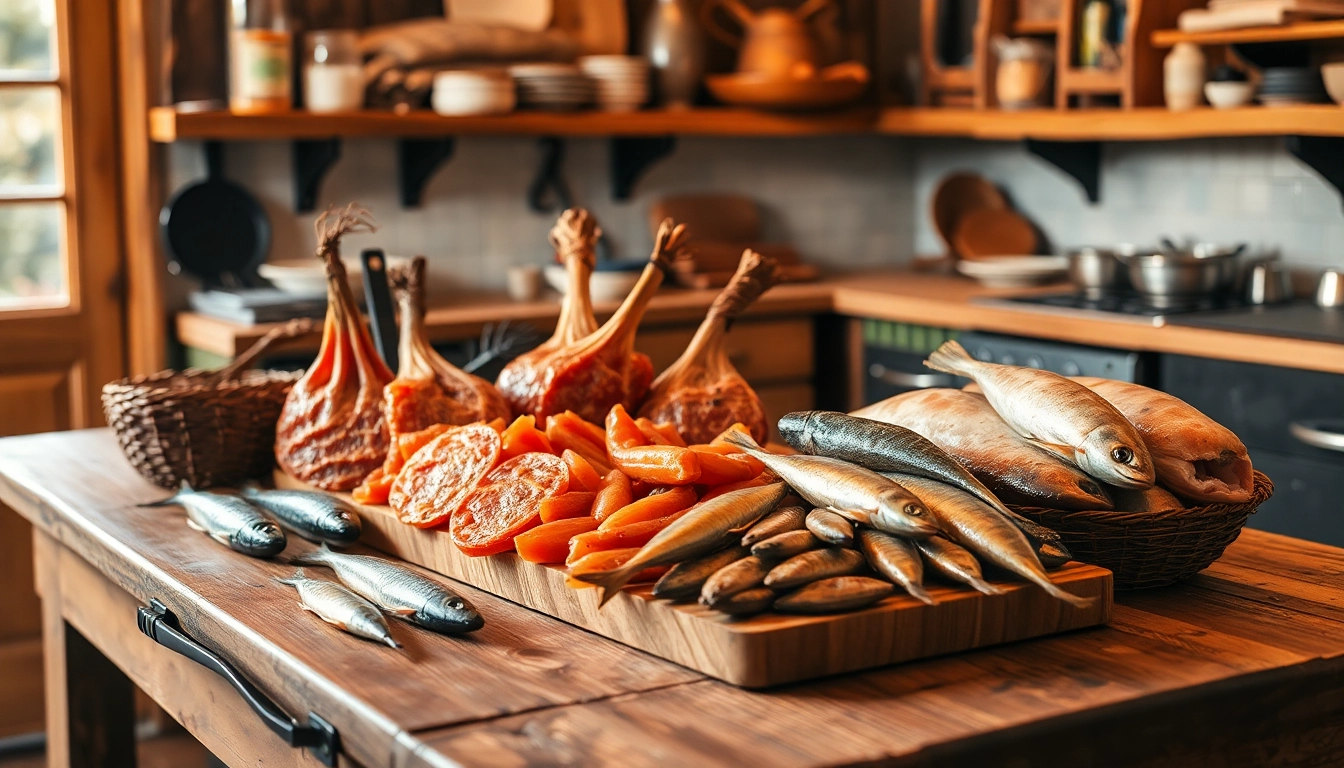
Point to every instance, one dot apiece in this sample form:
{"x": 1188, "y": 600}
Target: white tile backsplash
{"x": 1217, "y": 189}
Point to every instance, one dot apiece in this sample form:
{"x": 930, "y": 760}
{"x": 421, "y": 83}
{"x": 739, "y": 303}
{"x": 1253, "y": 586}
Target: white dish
{"x": 1229, "y": 94}
{"x": 1014, "y": 271}
{"x": 464, "y": 92}
{"x": 602, "y": 286}
{"x": 309, "y": 276}
{"x": 1333, "y": 75}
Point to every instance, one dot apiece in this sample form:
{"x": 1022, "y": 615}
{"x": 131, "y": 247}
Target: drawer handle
{"x": 1313, "y": 433}
{"x": 318, "y": 735}
{"x": 909, "y": 380}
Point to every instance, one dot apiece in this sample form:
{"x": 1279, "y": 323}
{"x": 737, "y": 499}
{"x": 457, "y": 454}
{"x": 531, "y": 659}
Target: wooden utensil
{"x": 956, "y": 195}
{"x": 987, "y": 232}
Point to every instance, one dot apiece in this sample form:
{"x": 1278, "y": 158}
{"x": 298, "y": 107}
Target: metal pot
{"x": 1172, "y": 278}
{"x": 1097, "y": 271}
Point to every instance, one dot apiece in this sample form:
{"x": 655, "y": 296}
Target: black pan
{"x": 215, "y": 229}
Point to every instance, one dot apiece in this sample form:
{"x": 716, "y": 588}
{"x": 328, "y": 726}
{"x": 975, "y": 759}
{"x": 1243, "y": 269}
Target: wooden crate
{"x": 764, "y": 650}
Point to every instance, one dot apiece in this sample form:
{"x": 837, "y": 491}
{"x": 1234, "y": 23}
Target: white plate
{"x": 1014, "y": 271}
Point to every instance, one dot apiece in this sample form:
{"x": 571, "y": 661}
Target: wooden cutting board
{"x": 766, "y": 650}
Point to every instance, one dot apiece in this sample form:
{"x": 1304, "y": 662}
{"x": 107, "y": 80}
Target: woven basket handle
{"x": 295, "y": 327}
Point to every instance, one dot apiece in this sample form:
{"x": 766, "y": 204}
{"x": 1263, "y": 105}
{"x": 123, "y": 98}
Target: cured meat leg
{"x": 575, "y": 238}
{"x": 602, "y": 369}
{"x": 702, "y": 394}
{"x": 331, "y": 431}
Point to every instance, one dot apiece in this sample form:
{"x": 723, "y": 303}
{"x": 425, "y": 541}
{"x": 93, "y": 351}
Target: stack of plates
{"x": 1014, "y": 271}
{"x": 552, "y": 87}
{"x": 1283, "y": 86}
{"x": 622, "y": 81}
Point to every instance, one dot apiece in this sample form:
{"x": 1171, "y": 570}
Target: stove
{"x": 1298, "y": 320}
{"x": 1120, "y": 306}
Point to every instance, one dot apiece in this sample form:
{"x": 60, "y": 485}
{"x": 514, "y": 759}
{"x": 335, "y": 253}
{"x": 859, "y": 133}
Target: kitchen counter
{"x": 922, "y": 298}
{"x": 1244, "y": 662}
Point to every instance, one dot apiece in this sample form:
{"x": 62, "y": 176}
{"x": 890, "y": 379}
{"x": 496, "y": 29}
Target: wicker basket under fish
{"x": 1152, "y": 549}
{"x": 209, "y": 428}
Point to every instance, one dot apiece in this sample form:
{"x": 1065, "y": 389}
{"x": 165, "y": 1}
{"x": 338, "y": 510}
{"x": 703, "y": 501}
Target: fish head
{"x": 1116, "y": 459}
{"x": 901, "y": 513}
{"x": 261, "y": 538}
{"x": 450, "y": 614}
{"x": 796, "y": 429}
{"x": 341, "y": 526}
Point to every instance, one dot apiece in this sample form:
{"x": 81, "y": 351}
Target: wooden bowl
{"x": 955, "y": 196}
{"x": 790, "y": 95}
{"x": 984, "y": 232}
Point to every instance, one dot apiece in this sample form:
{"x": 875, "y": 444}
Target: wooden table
{"x": 1239, "y": 666}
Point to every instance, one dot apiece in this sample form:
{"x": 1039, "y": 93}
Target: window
{"x": 34, "y": 269}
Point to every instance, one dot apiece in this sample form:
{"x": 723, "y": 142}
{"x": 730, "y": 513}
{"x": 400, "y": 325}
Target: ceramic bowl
{"x": 1333, "y": 74}
{"x": 604, "y": 285}
{"x": 471, "y": 93}
{"x": 1229, "y": 94}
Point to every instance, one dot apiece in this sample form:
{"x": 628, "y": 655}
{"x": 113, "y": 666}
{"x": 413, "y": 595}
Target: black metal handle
{"x": 318, "y": 735}
{"x": 910, "y": 380}
{"x": 379, "y": 299}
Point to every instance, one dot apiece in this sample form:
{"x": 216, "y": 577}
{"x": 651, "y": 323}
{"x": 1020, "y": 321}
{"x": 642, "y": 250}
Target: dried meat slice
{"x": 493, "y": 514}
{"x": 549, "y": 472}
{"x": 440, "y": 476}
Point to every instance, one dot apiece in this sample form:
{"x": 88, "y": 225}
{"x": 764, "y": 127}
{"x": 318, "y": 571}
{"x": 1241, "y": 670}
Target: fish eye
{"x": 1123, "y": 454}
{"x": 914, "y": 510}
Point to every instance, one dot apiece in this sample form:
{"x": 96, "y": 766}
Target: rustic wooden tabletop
{"x": 1238, "y": 666}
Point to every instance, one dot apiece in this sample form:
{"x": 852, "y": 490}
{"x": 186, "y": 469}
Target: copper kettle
{"x": 776, "y": 42}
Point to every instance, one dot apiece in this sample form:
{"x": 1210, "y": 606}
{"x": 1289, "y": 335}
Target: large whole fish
{"x": 1194, "y": 455}
{"x": 341, "y": 608}
{"x": 860, "y": 494}
{"x": 399, "y": 591}
{"x": 967, "y": 428}
{"x": 698, "y": 531}
{"x": 314, "y": 515}
{"x": 229, "y": 520}
{"x": 884, "y": 447}
{"x": 977, "y": 527}
{"x": 1061, "y": 416}
{"x": 896, "y": 559}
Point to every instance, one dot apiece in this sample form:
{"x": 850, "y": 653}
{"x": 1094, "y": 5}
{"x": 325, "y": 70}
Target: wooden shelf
{"x": 168, "y": 125}
{"x": 1093, "y": 81}
{"x": 1143, "y": 124}
{"x": 1036, "y": 27}
{"x": 1312, "y": 30}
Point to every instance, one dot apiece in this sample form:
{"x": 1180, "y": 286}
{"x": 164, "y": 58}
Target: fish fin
{"x": 222, "y": 538}
{"x": 951, "y": 357}
{"x": 292, "y": 580}
{"x": 609, "y": 582}
{"x": 984, "y": 587}
{"x": 859, "y": 516}
{"x": 400, "y": 611}
{"x": 1065, "y": 452}
{"x": 390, "y": 642}
{"x": 1075, "y": 600}
{"x": 195, "y": 526}
{"x": 341, "y": 625}
{"x": 738, "y": 438}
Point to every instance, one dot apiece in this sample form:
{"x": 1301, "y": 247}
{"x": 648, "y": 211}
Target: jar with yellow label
{"x": 261, "y": 57}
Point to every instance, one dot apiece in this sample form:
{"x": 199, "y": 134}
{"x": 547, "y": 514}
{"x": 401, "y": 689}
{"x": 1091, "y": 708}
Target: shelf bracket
{"x": 417, "y": 162}
{"x": 312, "y": 159}
{"x": 1322, "y": 154}
{"x": 632, "y": 156}
{"x": 1079, "y": 159}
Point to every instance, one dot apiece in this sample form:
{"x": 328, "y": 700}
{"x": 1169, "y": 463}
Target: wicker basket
{"x": 1152, "y": 549}
{"x": 209, "y": 428}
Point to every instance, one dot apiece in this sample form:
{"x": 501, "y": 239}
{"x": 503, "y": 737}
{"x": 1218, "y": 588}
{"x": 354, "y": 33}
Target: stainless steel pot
{"x": 1096, "y": 272}
{"x": 1173, "y": 278}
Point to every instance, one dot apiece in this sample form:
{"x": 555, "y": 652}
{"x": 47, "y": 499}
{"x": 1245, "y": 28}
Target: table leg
{"x": 90, "y": 703}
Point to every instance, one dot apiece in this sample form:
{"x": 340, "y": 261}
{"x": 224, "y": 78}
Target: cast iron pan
{"x": 215, "y": 229}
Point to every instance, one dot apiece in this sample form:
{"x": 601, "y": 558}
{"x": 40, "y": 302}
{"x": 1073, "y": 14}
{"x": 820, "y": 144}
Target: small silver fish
{"x": 780, "y": 521}
{"x": 1062, "y": 416}
{"x": 687, "y": 577}
{"x": 860, "y": 494}
{"x": 897, "y": 559}
{"x": 987, "y": 534}
{"x": 785, "y": 545}
{"x": 229, "y": 520}
{"x": 698, "y": 531}
{"x": 314, "y": 515}
{"x": 830, "y": 527}
{"x": 841, "y": 593}
{"x": 399, "y": 591}
{"x": 747, "y": 573}
{"x": 813, "y": 566}
{"x": 341, "y": 608}
{"x": 955, "y": 563}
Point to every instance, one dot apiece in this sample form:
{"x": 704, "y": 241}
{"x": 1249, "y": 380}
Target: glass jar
{"x": 1023, "y": 73}
{"x": 261, "y": 59}
{"x": 333, "y": 78}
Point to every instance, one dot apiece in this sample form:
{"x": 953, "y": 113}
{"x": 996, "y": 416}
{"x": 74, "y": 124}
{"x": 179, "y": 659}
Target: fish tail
{"x": 951, "y": 357}
{"x": 738, "y": 438}
{"x": 176, "y": 498}
{"x": 610, "y": 582}
{"x": 391, "y": 643}
{"x": 318, "y": 556}
{"x": 292, "y": 580}
{"x": 984, "y": 587}
{"x": 919, "y": 593}
{"x": 1054, "y": 591}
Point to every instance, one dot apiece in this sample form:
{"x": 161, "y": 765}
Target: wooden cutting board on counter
{"x": 765, "y": 650}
